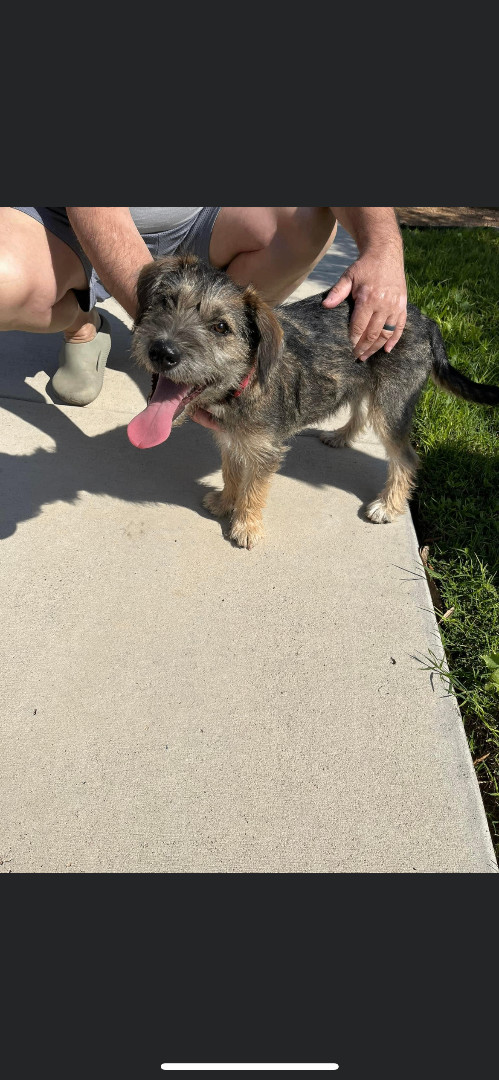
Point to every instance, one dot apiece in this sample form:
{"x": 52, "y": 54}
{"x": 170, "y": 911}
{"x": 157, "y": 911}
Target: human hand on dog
{"x": 378, "y": 286}
{"x": 203, "y": 417}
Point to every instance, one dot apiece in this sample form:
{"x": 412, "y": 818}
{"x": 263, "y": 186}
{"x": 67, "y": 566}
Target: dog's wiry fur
{"x": 302, "y": 370}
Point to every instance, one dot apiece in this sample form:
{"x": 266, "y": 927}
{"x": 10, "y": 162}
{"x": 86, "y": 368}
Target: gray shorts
{"x": 192, "y": 236}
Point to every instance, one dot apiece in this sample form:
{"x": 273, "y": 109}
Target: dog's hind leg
{"x": 402, "y": 464}
{"x": 344, "y": 436}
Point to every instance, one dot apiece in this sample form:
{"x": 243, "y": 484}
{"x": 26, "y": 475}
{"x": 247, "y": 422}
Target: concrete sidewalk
{"x": 171, "y": 704}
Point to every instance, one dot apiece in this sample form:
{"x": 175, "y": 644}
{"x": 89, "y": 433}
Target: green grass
{"x": 453, "y": 276}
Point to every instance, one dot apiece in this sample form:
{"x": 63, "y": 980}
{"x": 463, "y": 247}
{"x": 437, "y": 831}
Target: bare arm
{"x": 376, "y": 280}
{"x": 370, "y": 225}
{"x": 114, "y": 246}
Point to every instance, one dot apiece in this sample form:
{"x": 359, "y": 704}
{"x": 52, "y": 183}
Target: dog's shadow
{"x": 174, "y": 473}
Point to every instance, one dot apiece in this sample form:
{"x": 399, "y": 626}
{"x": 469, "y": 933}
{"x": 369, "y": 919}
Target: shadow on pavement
{"x": 107, "y": 464}
{"x": 331, "y": 267}
{"x": 23, "y": 356}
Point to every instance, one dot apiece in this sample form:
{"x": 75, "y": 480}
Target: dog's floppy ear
{"x": 265, "y": 333}
{"x": 152, "y": 279}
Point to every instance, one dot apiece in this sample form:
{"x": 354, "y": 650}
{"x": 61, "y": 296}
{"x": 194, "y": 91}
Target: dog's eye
{"x": 221, "y": 327}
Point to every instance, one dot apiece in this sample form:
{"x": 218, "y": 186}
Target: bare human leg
{"x": 38, "y": 273}
{"x": 273, "y": 247}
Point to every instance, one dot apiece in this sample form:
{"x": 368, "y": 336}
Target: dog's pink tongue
{"x": 152, "y": 426}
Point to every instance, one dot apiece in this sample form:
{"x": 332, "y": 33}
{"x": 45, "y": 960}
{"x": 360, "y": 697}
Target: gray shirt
{"x": 153, "y": 219}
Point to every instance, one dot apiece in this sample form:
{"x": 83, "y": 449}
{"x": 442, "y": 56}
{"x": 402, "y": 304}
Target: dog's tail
{"x": 448, "y": 378}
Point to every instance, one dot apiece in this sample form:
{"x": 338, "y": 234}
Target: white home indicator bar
{"x": 300, "y": 1068}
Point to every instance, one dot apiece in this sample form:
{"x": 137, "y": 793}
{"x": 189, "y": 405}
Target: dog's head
{"x": 201, "y": 334}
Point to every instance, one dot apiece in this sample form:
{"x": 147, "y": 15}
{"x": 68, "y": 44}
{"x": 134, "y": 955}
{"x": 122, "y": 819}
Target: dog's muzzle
{"x": 164, "y": 354}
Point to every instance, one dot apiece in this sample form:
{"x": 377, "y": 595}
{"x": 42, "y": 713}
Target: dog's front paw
{"x": 379, "y": 513}
{"x": 246, "y": 533}
{"x": 216, "y": 502}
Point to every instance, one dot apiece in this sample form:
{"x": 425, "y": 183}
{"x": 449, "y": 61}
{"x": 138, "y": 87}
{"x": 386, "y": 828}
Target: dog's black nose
{"x": 163, "y": 353}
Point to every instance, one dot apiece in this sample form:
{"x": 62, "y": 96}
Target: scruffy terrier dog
{"x": 266, "y": 373}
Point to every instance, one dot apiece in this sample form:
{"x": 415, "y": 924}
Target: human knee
{"x": 306, "y": 230}
{"x": 262, "y": 228}
{"x": 296, "y": 228}
{"x": 21, "y": 302}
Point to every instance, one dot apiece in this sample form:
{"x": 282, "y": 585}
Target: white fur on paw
{"x": 334, "y": 438}
{"x": 245, "y": 535}
{"x": 377, "y": 511}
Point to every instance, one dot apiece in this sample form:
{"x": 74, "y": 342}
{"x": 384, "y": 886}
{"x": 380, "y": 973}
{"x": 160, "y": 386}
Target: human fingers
{"x": 388, "y": 336}
{"x": 201, "y": 416}
{"x": 397, "y": 334}
{"x": 377, "y": 333}
{"x": 360, "y": 319}
{"x": 340, "y": 291}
